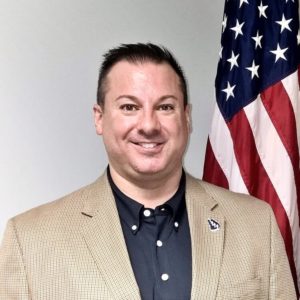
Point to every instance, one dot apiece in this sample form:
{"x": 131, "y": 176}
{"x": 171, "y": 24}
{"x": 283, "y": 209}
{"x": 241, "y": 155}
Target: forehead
{"x": 143, "y": 74}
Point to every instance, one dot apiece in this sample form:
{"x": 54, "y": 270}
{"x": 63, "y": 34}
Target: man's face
{"x": 144, "y": 124}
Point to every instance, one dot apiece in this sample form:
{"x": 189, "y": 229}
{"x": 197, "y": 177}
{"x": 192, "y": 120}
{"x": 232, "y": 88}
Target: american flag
{"x": 254, "y": 143}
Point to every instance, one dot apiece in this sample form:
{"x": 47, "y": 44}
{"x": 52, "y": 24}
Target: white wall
{"x": 50, "y": 52}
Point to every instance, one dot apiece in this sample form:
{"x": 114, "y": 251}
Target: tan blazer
{"x": 74, "y": 248}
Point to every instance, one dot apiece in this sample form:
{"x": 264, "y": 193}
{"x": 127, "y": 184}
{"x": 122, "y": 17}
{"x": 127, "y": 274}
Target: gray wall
{"x": 50, "y": 53}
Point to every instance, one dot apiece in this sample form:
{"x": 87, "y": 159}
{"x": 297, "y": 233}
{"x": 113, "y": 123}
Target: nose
{"x": 149, "y": 123}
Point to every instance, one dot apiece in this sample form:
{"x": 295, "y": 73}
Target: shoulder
{"x": 247, "y": 218}
{"x": 230, "y": 203}
{"x": 58, "y": 215}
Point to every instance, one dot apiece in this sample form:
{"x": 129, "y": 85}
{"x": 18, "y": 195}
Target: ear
{"x": 98, "y": 118}
{"x": 188, "y": 117}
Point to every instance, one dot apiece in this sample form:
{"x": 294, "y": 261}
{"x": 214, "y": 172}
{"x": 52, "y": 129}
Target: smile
{"x": 148, "y": 145}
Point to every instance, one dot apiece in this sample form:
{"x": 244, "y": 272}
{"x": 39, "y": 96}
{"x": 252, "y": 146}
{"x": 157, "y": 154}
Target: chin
{"x": 151, "y": 170}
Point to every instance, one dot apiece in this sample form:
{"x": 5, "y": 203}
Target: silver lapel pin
{"x": 213, "y": 225}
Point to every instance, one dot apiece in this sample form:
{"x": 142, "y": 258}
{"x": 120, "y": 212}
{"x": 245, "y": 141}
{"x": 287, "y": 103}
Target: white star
{"x": 237, "y": 28}
{"x": 262, "y": 10}
{"x": 257, "y": 39}
{"x": 298, "y": 38}
{"x": 220, "y": 53}
{"x": 288, "y": 0}
{"x": 284, "y": 23}
{"x": 233, "y": 60}
{"x": 229, "y": 90}
{"x": 279, "y": 53}
{"x": 224, "y": 23}
{"x": 253, "y": 69}
{"x": 243, "y": 1}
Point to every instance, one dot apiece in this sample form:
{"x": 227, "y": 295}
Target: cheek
{"x": 116, "y": 129}
{"x": 180, "y": 133}
{"x": 177, "y": 126}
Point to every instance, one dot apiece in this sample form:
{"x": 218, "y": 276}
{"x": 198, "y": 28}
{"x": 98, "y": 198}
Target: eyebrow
{"x": 131, "y": 97}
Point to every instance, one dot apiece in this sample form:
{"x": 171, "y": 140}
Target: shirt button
{"x": 134, "y": 227}
{"x": 159, "y": 243}
{"x": 176, "y": 224}
{"x": 147, "y": 212}
{"x": 164, "y": 277}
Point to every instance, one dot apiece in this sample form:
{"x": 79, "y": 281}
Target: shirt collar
{"x": 131, "y": 211}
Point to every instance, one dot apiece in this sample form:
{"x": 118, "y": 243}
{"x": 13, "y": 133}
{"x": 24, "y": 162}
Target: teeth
{"x": 148, "y": 145}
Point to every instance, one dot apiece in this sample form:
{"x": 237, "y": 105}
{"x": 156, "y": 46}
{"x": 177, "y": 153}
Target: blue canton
{"x": 260, "y": 46}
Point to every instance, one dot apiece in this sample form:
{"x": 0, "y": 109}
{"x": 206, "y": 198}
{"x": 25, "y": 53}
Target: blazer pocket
{"x": 246, "y": 290}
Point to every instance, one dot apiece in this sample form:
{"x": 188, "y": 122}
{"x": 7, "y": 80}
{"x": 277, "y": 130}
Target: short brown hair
{"x": 135, "y": 53}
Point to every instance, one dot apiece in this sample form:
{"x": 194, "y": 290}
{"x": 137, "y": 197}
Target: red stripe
{"x": 212, "y": 171}
{"x": 256, "y": 178}
{"x": 280, "y": 110}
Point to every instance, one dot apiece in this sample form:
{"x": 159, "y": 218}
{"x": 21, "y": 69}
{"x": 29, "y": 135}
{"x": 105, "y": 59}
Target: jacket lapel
{"x": 207, "y": 240}
{"x": 104, "y": 237}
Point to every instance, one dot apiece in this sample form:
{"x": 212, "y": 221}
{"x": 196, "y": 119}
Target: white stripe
{"x": 277, "y": 164}
{"x": 291, "y": 86}
{"x": 222, "y": 147}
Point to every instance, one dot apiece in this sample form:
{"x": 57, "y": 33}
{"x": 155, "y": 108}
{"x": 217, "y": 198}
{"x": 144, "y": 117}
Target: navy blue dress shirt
{"x": 159, "y": 244}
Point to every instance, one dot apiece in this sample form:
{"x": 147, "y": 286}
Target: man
{"x": 145, "y": 229}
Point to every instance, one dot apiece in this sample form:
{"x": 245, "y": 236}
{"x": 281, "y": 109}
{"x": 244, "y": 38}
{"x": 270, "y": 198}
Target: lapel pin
{"x": 213, "y": 225}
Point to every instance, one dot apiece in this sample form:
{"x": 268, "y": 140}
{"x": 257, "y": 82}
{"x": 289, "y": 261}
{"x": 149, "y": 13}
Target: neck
{"x": 148, "y": 190}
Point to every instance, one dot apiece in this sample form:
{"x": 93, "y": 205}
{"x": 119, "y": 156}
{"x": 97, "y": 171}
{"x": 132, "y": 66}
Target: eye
{"x": 166, "y": 107}
{"x": 128, "y": 107}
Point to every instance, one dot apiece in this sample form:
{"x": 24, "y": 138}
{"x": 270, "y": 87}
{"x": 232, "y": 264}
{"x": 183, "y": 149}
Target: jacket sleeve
{"x": 281, "y": 281}
{"x": 13, "y": 281}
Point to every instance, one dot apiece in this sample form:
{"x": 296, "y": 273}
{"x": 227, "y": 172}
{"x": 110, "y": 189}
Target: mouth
{"x": 149, "y": 147}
